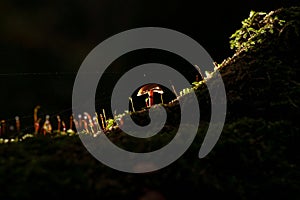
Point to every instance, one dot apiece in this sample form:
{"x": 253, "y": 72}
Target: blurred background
{"x": 43, "y": 43}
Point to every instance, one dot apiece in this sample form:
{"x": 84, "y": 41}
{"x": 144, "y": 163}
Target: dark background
{"x": 43, "y": 43}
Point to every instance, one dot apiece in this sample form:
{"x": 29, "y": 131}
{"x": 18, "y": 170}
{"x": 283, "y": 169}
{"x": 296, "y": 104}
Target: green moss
{"x": 255, "y": 30}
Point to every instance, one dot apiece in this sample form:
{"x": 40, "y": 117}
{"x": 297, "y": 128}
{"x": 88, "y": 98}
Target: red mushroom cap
{"x": 150, "y": 87}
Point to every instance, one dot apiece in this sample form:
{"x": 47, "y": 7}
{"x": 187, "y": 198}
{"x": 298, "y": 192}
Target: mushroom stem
{"x": 64, "y": 126}
{"x": 71, "y": 123}
{"x": 80, "y": 121}
{"x": 85, "y": 124}
{"x": 150, "y": 98}
{"x": 133, "y": 110}
{"x": 173, "y": 88}
{"x": 199, "y": 70}
{"x": 104, "y": 116}
{"x": 58, "y": 123}
{"x": 35, "y": 117}
{"x": 103, "y": 124}
{"x": 3, "y": 127}
{"x": 97, "y": 122}
{"x": 37, "y": 126}
{"x": 18, "y": 124}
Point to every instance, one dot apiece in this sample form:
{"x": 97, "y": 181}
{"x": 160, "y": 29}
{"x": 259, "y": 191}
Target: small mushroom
{"x": 58, "y": 123}
{"x": 70, "y": 130}
{"x": 37, "y": 126}
{"x": 18, "y": 127}
{"x": 47, "y": 127}
{"x": 3, "y": 127}
{"x": 150, "y": 89}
